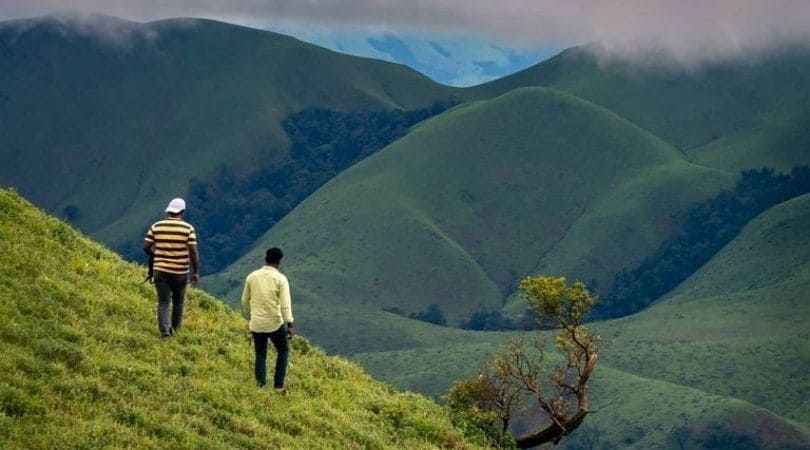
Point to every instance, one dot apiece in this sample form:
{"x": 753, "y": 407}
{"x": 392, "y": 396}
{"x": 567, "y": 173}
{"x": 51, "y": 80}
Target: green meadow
{"x": 83, "y": 365}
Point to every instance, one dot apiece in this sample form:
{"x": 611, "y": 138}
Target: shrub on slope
{"x": 82, "y": 365}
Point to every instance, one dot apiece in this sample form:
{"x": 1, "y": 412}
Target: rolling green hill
{"x": 482, "y": 195}
{"x": 469, "y": 202}
{"x": 731, "y": 115}
{"x": 727, "y": 351}
{"x": 83, "y": 366}
{"x": 104, "y": 121}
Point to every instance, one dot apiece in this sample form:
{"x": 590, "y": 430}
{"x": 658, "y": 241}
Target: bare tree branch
{"x": 511, "y": 378}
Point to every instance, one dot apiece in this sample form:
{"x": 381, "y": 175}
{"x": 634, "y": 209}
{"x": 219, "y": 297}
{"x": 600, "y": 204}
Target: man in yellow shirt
{"x": 266, "y": 300}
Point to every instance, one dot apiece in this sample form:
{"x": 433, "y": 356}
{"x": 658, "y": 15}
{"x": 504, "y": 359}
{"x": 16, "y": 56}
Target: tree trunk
{"x": 552, "y": 433}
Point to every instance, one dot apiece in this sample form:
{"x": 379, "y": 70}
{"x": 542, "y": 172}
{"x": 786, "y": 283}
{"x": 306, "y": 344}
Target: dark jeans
{"x": 279, "y": 339}
{"x": 170, "y": 288}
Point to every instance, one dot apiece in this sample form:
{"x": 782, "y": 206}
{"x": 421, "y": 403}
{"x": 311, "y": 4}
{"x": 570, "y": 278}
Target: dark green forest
{"x": 700, "y": 233}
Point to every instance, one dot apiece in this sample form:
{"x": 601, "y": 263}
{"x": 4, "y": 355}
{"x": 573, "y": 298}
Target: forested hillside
{"x": 128, "y": 115}
{"x": 234, "y": 208}
{"x": 469, "y": 202}
{"x": 699, "y": 234}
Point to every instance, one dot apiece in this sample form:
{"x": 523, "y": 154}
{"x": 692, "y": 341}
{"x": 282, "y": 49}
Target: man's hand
{"x": 195, "y": 279}
{"x": 290, "y": 332}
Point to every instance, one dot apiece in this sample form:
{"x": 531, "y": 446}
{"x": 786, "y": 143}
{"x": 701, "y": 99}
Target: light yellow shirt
{"x": 266, "y": 300}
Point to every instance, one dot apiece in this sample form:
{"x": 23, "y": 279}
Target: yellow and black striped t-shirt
{"x": 172, "y": 236}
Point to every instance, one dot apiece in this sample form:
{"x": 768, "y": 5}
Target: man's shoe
{"x": 280, "y": 391}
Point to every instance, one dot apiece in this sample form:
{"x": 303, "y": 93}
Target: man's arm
{"x": 195, "y": 263}
{"x": 149, "y": 243}
{"x": 286, "y": 306}
{"x": 246, "y": 298}
{"x": 149, "y": 249}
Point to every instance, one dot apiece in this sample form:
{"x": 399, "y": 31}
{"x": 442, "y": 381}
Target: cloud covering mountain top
{"x": 687, "y": 32}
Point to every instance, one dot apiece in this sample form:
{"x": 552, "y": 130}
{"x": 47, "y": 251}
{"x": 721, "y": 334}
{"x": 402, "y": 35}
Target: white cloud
{"x": 686, "y": 31}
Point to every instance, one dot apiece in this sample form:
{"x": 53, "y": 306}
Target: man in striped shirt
{"x": 172, "y": 243}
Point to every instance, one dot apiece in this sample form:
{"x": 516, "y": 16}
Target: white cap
{"x": 176, "y": 205}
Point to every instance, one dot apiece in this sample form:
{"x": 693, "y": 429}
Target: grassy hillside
{"x": 83, "y": 366}
{"x": 738, "y": 327}
{"x": 469, "y": 202}
{"x": 124, "y": 114}
{"x": 727, "y": 351}
{"x": 486, "y": 193}
{"x": 733, "y": 116}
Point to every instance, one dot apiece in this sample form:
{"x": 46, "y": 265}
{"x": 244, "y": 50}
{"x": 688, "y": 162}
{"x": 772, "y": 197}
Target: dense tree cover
{"x": 700, "y": 233}
{"x": 432, "y": 314}
{"x": 488, "y": 319}
{"x": 492, "y": 319}
{"x": 233, "y": 208}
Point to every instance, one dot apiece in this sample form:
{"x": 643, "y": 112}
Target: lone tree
{"x": 509, "y": 382}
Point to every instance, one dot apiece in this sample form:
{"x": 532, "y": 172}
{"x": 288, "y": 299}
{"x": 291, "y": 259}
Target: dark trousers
{"x": 279, "y": 339}
{"x": 171, "y": 289}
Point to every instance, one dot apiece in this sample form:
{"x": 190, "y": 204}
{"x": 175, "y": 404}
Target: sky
{"x": 484, "y": 36}
{"x": 453, "y": 59}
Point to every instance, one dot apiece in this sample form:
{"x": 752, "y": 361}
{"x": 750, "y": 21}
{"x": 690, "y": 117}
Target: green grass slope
{"x": 732, "y": 115}
{"x": 721, "y": 362}
{"x": 469, "y": 202}
{"x": 113, "y": 118}
{"x": 83, "y": 367}
{"x": 738, "y": 327}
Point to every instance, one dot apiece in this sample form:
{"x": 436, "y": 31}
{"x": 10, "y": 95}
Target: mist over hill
{"x": 731, "y": 115}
